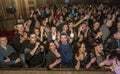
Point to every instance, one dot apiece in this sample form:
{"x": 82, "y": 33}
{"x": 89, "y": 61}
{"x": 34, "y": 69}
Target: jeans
{"x": 22, "y": 57}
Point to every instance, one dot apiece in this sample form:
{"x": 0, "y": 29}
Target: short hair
{"x": 63, "y": 33}
{"x": 97, "y": 43}
{"x": 30, "y": 34}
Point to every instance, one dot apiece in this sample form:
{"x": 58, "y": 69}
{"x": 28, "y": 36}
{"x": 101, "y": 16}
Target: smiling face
{"x": 84, "y": 26}
{"x": 65, "y": 28}
{"x": 53, "y": 29}
{"x": 63, "y": 39}
{"x": 3, "y": 41}
{"x": 20, "y": 28}
{"x": 96, "y": 25}
{"x": 82, "y": 48}
{"x": 99, "y": 48}
{"x": 109, "y": 23}
{"x": 33, "y": 38}
{"x": 52, "y": 46}
{"x": 70, "y": 25}
{"x": 36, "y": 31}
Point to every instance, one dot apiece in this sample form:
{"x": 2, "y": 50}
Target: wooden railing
{"x": 54, "y": 71}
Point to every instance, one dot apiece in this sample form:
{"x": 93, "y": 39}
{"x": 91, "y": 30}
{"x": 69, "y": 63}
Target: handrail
{"x": 55, "y": 69}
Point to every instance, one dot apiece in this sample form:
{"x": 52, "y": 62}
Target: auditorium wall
{"x": 23, "y": 6}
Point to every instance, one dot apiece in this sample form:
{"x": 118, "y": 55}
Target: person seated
{"x": 53, "y": 57}
{"x": 8, "y": 56}
{"x": 82, "y": 57}
{"x": 34, "y": 52}
{"x": 97, "y": 56}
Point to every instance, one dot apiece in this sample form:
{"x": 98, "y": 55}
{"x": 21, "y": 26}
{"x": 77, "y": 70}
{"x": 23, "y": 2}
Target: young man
{"x": 16, "y": 40}
{"x": 65, "y": 50}
{"x": 34, "y": 52}
{"x": 8, "y": 56}
{"x": 105, "y": 29}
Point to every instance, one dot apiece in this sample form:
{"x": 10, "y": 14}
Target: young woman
{"x": 53, "y": 58}
{"x": 82, "y": 57}
{"x": 37, "y": 32}
{"x": 97, "y": 56}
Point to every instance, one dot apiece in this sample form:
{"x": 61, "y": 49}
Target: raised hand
{"x": 32, "y": 11}
{"x": 37, "y": 44}
{"x": 86, "y": 17}
{"x": 99, "y": 34}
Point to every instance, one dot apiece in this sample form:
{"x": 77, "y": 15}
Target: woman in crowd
{"x": 37, "y": 32}
{"x": 82, "y": 57}
{"x": 97, "y": 56}
{"x": 53, "y": 57}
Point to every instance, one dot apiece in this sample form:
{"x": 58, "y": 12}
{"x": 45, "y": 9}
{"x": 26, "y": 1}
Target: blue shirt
{"x": 4, "y": 53}
{"x": 8, "y": 51}
{"x": 3, "y": 63}
{"x": 66, "y": 54}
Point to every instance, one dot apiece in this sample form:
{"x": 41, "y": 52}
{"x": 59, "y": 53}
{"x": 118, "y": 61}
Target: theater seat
{"x": 12, "y": 32}
{"x": 10, "y": 35}
{"x": 3, "y": 33}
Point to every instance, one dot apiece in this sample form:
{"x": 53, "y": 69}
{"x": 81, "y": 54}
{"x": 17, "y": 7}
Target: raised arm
{"x": 86, "y": 17}
{"x": 32, "y": 11}
{"x": 41, "y": 34}
{"x": 34, "y": 49}
{"x": 56, "y": 43}
{"x": 38, "y": 11}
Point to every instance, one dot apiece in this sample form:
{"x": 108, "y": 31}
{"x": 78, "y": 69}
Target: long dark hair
{"x": 48, "y": 43}
{"x": 78, "y": 48}
{"x": 95, "y": 45}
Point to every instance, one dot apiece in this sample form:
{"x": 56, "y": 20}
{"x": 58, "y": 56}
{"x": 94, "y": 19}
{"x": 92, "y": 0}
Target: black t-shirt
{"x": 16, "y": 42}
{"x": 50, "y": 59}
{"x": 34, "y": 60}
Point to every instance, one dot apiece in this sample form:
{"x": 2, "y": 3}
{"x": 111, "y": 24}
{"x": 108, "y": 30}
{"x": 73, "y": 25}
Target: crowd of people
{"x": 65, "y": 36}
